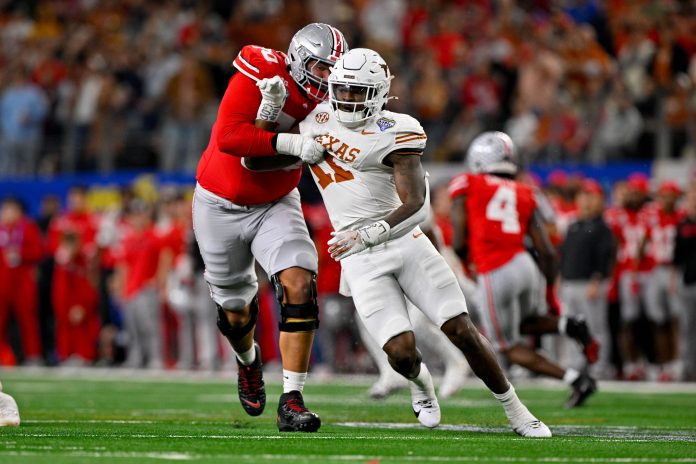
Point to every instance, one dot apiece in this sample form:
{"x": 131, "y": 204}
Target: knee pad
{"x": 236, "y": 333}
{"x": 308, "y": 311}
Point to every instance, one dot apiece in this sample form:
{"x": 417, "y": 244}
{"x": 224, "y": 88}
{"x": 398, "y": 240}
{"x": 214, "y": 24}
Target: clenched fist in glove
{"x": 273, "y": 96}
{"x": 306, "y": 148}
{"x": 349, "y": 242}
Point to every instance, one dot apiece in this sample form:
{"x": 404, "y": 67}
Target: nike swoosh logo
{"x": 364, "y": 132}
{"x": 256, "y": 404}
{"x": 417, "y": 234}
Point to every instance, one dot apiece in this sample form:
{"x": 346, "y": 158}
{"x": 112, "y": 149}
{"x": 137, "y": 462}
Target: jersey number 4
{"x": 502, "y": 207}
{"x": 338, "y": 175}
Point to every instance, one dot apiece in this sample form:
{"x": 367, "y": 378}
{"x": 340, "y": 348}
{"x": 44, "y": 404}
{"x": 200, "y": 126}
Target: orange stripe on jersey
{"x": 411, "y": 134}
{"x": 410, "y": 139}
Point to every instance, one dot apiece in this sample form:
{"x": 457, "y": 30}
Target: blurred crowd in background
{"x": 68, "y": 275}
{"x": 109, "y": 84}
{"x": 88, "y": 85}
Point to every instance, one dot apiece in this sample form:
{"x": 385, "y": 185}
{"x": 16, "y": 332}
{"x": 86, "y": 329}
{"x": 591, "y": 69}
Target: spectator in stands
{"x": 186, "y": 99}
{"x": 587, "y": 256}
{"x": 20, "y": 252}
{"x": 23, "y": 108}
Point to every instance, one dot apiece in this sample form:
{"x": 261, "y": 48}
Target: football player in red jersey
{"x": 242, "y": 216}
{"x": 492, "y": 214}
{"x": 630, "y": 273}
{"x": 662, "y": 307}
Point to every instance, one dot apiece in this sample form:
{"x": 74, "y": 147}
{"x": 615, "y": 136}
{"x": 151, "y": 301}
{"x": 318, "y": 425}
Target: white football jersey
{"x": 357, "y": 187}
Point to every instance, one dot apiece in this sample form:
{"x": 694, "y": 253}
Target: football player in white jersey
{"x": 376, "y": 193}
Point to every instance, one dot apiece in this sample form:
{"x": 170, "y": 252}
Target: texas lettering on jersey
{"x": 357, "y": 187}
{"x": 499, "y": 211}
{"x": 234, "y": 135}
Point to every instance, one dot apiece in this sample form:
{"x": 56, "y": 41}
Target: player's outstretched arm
{"x": 270, "y": 163}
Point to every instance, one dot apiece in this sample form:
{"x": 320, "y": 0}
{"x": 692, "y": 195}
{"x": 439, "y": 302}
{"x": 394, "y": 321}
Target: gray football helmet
{"x": 493, "y": 153}
{"x": 319, "y": 42}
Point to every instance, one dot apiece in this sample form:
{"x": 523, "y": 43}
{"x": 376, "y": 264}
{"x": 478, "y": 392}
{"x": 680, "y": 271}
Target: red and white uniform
{"x": 629, "y": 274}
{"x": 232, "y": 205}
{"x": 83, "y": 224}
{"x": 234, "y": 135}
{"x": 21, "y": 249}
{"x": 498, "y": 212}
{"x": 75, "y": 301}
{"x": 660, "y": 301}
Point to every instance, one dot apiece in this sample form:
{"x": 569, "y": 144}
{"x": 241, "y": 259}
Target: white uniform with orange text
{"x": 359, "y": 189}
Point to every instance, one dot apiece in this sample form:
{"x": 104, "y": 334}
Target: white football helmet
{"x": 359, "y": 86}
{"x": 492, "y": 152}
{"x": 319, "y": 42}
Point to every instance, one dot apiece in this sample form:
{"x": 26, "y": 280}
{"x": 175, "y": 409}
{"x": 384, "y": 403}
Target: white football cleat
{"x": 386, "y": 385}
{"x": 530, "y": 427}
{"x": 9, "y": 413}
{"x": 427, "y": 412}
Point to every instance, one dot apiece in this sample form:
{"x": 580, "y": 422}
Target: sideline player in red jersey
{"x": 662, "y": 306}
{"x": 492, "y": 214}
{"x": 240, "y": 215}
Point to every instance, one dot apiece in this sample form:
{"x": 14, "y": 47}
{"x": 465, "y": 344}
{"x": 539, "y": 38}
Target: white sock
{"x": 570, "y": 376}
{"x": 562, "y": 324}
{"x": 293, "y": 381}
{"x": 511, "y": 404}
{"x": 422, "y": 387}
{"x": 248, "y": 356}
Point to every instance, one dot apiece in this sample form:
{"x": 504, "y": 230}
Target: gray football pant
{"x": 143, "y": 322}
{"x": 596, "y": 312}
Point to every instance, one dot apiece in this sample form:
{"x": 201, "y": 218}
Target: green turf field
{"x": 127, "y": 418}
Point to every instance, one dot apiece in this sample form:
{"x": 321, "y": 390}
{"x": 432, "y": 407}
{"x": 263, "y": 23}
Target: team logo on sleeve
{"x": 322, "y": 117}
{"x": 385, "y": 123}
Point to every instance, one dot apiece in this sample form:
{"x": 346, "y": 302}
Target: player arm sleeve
{"x": 236, "y": 132}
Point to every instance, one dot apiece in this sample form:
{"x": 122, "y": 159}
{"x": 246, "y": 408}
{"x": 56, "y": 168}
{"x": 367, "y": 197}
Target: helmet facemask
{"x": 354, "y": 103}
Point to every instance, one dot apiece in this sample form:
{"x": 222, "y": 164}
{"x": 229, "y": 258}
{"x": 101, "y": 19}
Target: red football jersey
{"x": 234, "y": 135}
{"x": 630, "y": 231}
{"x": 661, "y": 232}
{"x": 498, "y": 214}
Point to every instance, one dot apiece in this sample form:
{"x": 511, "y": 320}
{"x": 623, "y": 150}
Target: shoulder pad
{"x": 408, "y": 133}
{"x": 258, "y": 63}
{"x": 459, "y": 185}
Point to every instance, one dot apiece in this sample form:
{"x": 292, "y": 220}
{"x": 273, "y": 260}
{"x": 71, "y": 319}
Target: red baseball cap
{"x": 669, "y": 186}
{"x": 592, "y": 186}
{"x": 557, "y": 178}
{"x": 640, "y": 182}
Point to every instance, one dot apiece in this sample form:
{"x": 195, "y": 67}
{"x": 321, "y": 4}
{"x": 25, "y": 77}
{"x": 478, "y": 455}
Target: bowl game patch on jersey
{"x": 385, "y": 123}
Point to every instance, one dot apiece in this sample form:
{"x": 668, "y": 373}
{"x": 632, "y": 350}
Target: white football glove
{"x": 306, "y": 148}
{"x": 273, "y": 96}
{"x": 349, "y": 242}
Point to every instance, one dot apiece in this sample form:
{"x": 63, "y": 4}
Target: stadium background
{"x": 119, "y": 96}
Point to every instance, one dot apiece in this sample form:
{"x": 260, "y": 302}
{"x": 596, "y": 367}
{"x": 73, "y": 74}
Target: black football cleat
{"x": 583, "y": 387}
{"x": 293, "y": 416}
{"x": 252, "y": 391}
{"x": 577, "y": 329}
